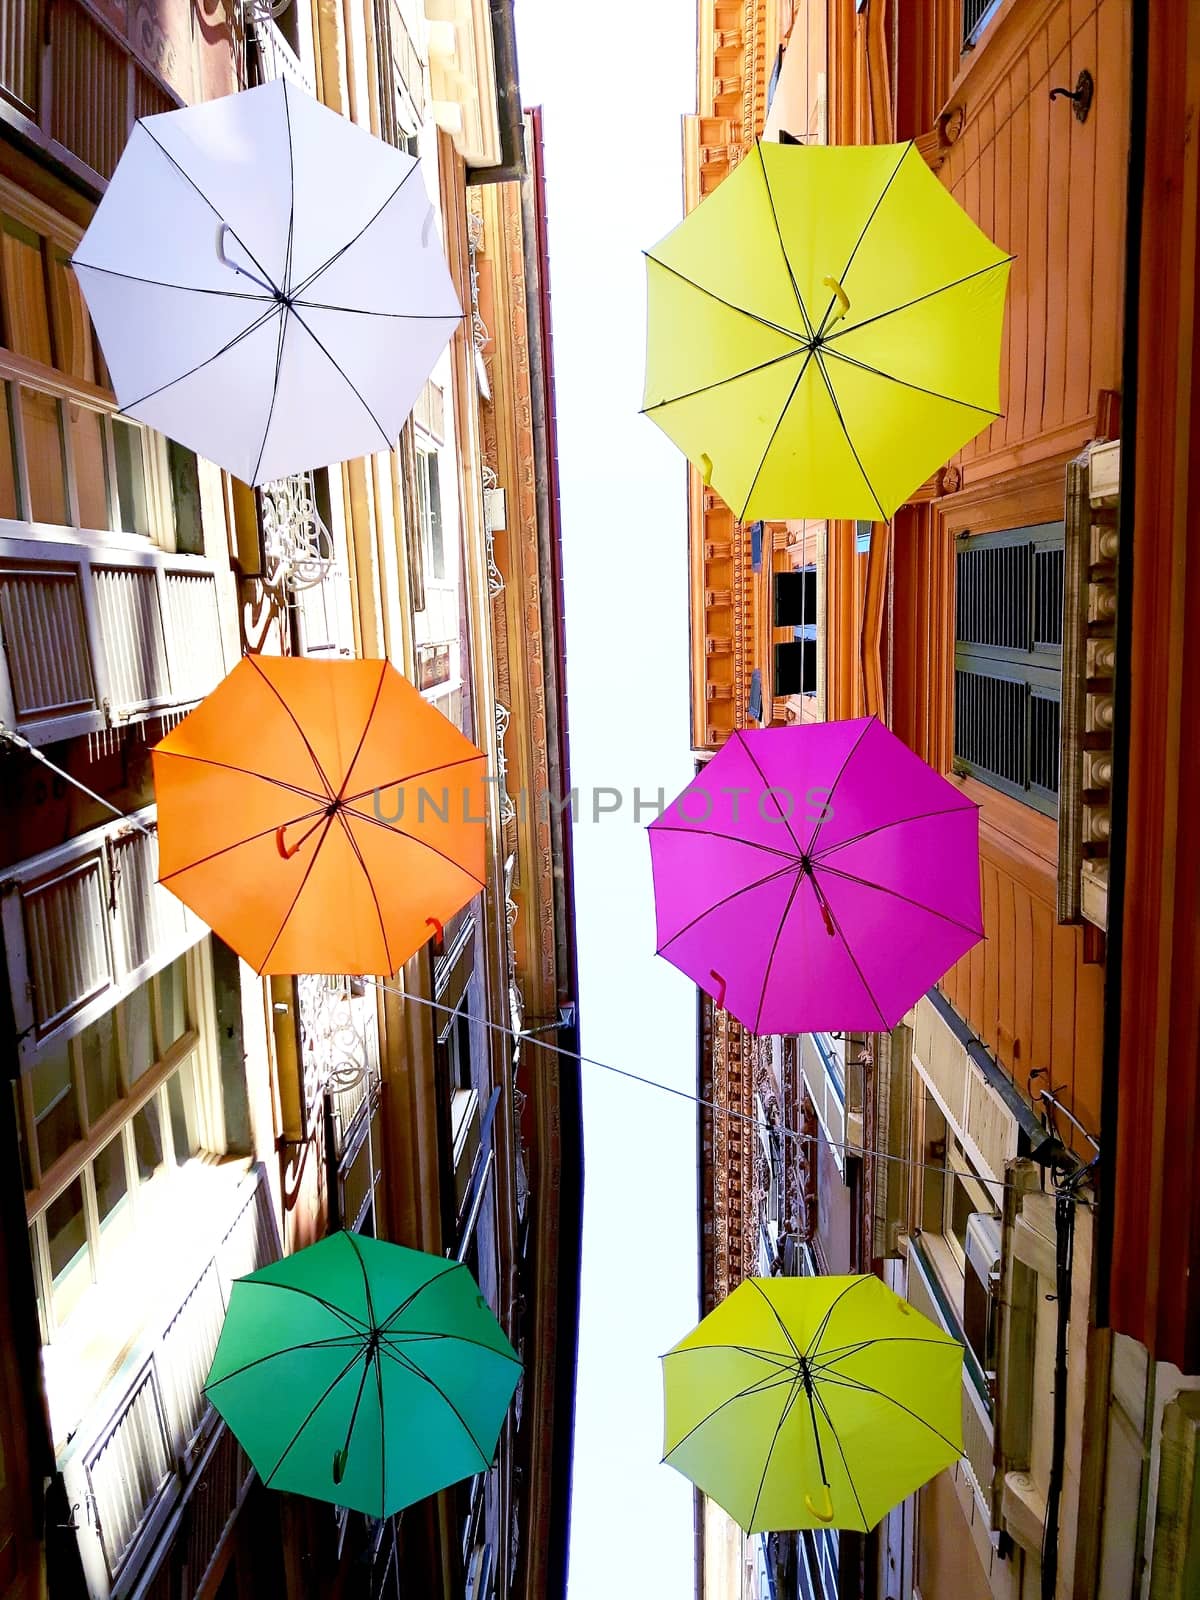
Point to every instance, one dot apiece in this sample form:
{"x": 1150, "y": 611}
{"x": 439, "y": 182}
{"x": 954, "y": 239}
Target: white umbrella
{"x": 267, "y": 282}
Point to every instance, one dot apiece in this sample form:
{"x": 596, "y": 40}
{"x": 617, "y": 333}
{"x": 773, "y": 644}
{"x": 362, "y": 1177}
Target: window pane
{"x": 55, "y": 1111}
{"x": 44, "y": 457}
{"x": 132, "y": 493}
{"x": 73, "y": 351}
{"x": 172, "y": 1003}
{"x": 9, "y": 506}
{"x": 437, "y": 551}
{"x": 185, "y": 492}
{"x": 26, "y": 318}
{"x": 91, "y": 466}
{"x": 101, "y": 1080}
{"x": 148, "y": 1140}
{"x": 112, "y": 1183}
{"x": 139, "y": 1033}
{"x": 66, "y": 1233}
{"x": 185, "y": 1124}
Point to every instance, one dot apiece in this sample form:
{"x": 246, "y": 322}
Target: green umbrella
{"x": 363, "y": 1373}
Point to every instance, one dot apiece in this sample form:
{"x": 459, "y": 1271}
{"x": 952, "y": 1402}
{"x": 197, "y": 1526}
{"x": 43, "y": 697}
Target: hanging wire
{"x": 845, "y": 1146}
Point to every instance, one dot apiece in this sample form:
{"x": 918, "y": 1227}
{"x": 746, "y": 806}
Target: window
{"x": 756, "y": 546}
{"x": 64, "y": 460}
{"x": 106, "y": 1122}
{"x": 429, "y": 507}
{"x": 862, "y": 538}
{"x": 754, "y": 706}
{"x": 959, "y": 1237}
{"x": 796, "y": 608}
{"x": 976, "y": 14}
{"x": 1008, "y": 660}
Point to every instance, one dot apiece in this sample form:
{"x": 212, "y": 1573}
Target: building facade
{"x": 1027, "y": 1112}
{"x": 173, "y": 1120}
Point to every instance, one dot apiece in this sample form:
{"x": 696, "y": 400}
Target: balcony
{"x": 151, "y": 1449}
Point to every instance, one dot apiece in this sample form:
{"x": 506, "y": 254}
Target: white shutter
{"x": 84, "y": 924}
{"x": 99, "y": 633}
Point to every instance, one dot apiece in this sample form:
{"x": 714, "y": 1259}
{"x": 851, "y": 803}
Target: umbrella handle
{"x": 842, "y": 296}
{"x": 222, "y": 229}
{"x": 823, "y": 1511}
{"x": 283, "y": 849}
{"x": 439, "y": 933}
{"x": 720, "y": 981}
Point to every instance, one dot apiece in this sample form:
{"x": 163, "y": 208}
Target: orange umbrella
{"x": 320, "y": 815}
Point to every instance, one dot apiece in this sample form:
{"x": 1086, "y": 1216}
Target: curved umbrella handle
{"x": 284, "y": 850}
{"x": 720, "y": 981}
{"x": 439, "y": 933}
{"x": 226, "y": 261}
{"x": 823, "y": 1511}
{"x": 842, "y": 297}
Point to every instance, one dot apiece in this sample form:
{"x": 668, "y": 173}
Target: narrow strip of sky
{"x": 613, "y": 102}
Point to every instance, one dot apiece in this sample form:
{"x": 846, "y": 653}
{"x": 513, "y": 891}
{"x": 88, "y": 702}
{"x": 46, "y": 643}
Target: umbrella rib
{"x": 350, "y": 384}
{"x": 160, "y": 283}
{"x": 349, "y": 1238}
{"x": 286, "y": 1350}
{"x": 362, "y": 738}
{"x": 295, "y": 898}
{"x": 885, "y": 1026}
{"x": 395, "y": 316}
{"x": 251, "y": 838}
{"x": 402, "y": 833}
{"x": 728, "y": 304}
{"x": 934, "y": 394}
{"x": 382, "y": 1439}
{"x": 350, "y": 243}
{"x": 917, "y": 300}
{"x": 411, "y": 1366}
{"x": 787, "y": 821}
{"x": 142, "y": 124}
{"x": 759, "y": 1386}
{"x": 292, "y": 1441}
{"x": 883, "y": 516}
{"x": 762, "y": 993}
{"x": 783, "y": 1328}
{"x": 778, "y": 424}
{"x": 815, "y": 1341}
{"x": 287, "y": 260}
{"x": 748, "y": 888}
{"x": 870, "y": 219}
{"x": 152, "y": 394}
{"x": 711, "y": 833}
{"x": 455, "y": 1266}
{"x": 898, "y": 822}
{"x": 423, "y": 1335}
{"x": 228, "y": 766}
{"x": 442, "y": 766}
{"x": 845, "y": 1464}
{"x": 283, "y": 324}
{"x": 779, "y": 235}
{"x": 783, "y": 1416}
{"x": 840, "y": 1380}
{"x": 358, "y": 856}
{"x": 788, "y": 355}
{"x": 882, "y": 888}
{"x": 774, "y": 1356}
{"x": 342, "y": 1315}
{"x": 292, "y": 718}
{"x": 845, "y": 1352}
{"x": 850, "y": 754}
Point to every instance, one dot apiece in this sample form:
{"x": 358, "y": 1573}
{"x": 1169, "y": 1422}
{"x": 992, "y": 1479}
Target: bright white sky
{"x": 614, "y": 181}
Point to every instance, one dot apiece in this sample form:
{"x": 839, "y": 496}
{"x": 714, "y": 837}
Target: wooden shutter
{"x": 1008, "y": 660}
{"x": 95, "y": 635}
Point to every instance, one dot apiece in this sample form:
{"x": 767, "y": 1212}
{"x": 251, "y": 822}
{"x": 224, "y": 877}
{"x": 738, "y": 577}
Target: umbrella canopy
{"x": 363, "y": 1373}
{"x": 817, "y": 877}
{"x": 320, "y": 815}
{"x": 284, "y": 318}
{"x": 824, "y": 331}
{"x": 806, "y": 1402}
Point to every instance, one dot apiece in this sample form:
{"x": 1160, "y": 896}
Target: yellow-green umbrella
{"x": 824, "y": 331}
{"x": 809, "y": 1402}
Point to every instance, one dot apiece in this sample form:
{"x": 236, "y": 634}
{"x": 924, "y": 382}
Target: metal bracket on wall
{"x": 1081, "y": 95}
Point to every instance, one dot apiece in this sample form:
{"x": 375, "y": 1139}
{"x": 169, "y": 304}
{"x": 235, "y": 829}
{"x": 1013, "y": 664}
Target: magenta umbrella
{"x": 817, "y": 877}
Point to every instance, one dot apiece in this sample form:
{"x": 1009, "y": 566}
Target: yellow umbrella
{"x": 824, "y": 331}
{"x": 809, "y": 1402}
